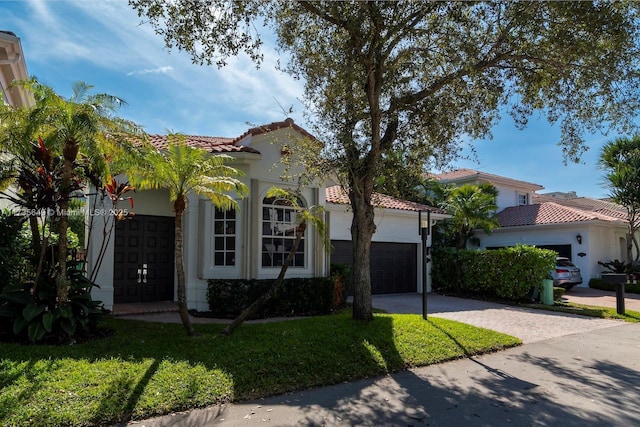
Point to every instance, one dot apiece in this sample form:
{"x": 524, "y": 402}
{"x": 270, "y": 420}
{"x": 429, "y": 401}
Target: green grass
{"x": 147, "y": 369}
{"x": 588, "y": 310}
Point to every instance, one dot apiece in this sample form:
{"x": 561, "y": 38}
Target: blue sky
{"x": 103, "y": 43}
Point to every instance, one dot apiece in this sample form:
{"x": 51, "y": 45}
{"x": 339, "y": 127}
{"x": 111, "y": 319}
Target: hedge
{"x": 510, "y": 273}
{"x": 227, "y": 298}
{"x": 597, "y": 283}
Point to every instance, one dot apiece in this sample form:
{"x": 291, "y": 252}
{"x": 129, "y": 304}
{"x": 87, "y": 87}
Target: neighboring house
{"x": 583, "y": 229}
{"x": 249, "y": 243}
{"x": 511, "y": 192}
{"x": 396, "y": 265}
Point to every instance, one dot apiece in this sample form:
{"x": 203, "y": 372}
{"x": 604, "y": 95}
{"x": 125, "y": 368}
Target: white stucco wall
{"x": 508, "y": 196}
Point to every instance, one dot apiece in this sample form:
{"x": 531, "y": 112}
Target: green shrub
{"x": 597, "y": 283}
{"x": 446, "y": 271}
{"x": 509, "y": 273}
{"x": 32, "y": 313}
{"x": 227, "y": 298}
{"x": 38, "y": 316}
{"x": 10, "y": 249}
{"x": 558, "y": 293}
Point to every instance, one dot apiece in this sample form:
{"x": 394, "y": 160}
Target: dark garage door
{"x": 561, "y": 250}
{"x": 393, "y": 265}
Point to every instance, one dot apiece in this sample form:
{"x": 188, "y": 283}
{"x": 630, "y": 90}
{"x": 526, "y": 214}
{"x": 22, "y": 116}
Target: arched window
{"x": 279, "y": 233}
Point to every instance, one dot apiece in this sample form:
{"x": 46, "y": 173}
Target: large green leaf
{"x": 48, "y": 318}
{"x": 36, "y": 331}
{"x": 68, "y": 325}
{"x": 32, "y": 310}
{"x": 65, "y": 311}
{"x": 18, "y": 324}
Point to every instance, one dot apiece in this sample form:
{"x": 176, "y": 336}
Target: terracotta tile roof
{"x": 287, "y": 123}
{"x": 338, "y": 196}
{"x": 548, "y": 213}
{"x": 213, "y": 144}
{"x": 604, "y": 207}
{"x": 217, "y": 144}
{"x": 468, "y": 174}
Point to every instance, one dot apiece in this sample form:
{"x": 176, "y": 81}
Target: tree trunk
{"x": 179, "y": 208}
{"x": 262, "y": 300}
{"x": 69, "y": 153}
{"x": 39, "y": 247}
{"x": 362, "y": 229}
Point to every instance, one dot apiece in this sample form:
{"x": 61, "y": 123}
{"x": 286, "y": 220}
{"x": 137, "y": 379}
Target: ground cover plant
{"x": 146, "y": 369}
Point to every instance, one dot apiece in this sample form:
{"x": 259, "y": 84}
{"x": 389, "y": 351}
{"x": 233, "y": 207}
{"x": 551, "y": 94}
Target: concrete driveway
{"x": 530, "y": 325}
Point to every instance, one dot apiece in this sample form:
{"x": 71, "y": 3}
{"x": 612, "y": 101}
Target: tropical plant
{"x": 471, "y": 207}
{"x": 184, "y": 170}
{"x": 77, "y": 142}
{"x": 616, "y": 266}
{"x": 83, "y": 138}
{"x": 424, "y": 77}
{"x": 620, "y": 160}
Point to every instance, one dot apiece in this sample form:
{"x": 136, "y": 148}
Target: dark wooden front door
{"x": 144, "y": 259}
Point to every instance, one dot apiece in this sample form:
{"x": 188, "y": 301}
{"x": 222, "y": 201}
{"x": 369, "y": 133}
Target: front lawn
{"x": 146, "y": 369}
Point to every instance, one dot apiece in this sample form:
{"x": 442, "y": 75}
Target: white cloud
{"x": 160, "y": 70}
{"x": 103, "y": 42}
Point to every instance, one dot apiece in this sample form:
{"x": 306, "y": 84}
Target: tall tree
{"x": 620, "y": 160}
{"x": 82, "y": 130}
{"x": 183, "y": 170}
{"x": 424, "y": 76}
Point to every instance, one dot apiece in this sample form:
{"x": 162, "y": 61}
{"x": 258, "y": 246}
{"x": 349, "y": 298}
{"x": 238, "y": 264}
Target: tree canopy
{"x": 423, "y": 76}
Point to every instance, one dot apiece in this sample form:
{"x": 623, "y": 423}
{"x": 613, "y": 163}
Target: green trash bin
{"x": 546, "y": 296}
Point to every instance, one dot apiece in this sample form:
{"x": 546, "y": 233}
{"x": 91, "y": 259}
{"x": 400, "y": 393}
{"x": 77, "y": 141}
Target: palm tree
{"x": 183, "y": 170}
{"x": 620, "y": 159}
{"x": 83, "y": 130}
{"x": 471, "y": 207}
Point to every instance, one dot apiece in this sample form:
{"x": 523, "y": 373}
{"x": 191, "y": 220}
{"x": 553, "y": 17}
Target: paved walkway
{"x": 530, "y": 325}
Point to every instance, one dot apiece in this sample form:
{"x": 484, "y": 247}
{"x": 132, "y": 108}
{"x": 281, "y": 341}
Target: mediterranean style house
{"x": 252, "y": 241}
{"x": 582, "y": 229}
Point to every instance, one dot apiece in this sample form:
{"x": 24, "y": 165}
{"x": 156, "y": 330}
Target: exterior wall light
{"x": 579, "y": 239}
